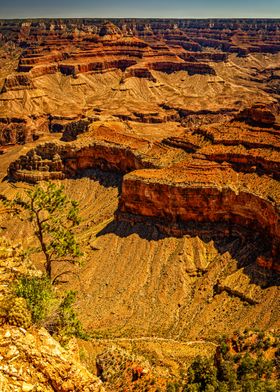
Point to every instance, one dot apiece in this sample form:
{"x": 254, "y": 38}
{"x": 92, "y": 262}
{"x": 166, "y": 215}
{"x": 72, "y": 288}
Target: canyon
{"x": 167, "y": 132}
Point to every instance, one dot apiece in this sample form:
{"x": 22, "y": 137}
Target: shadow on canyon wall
{"x": 108, "y": 179}
{"x": 243, "y": 245}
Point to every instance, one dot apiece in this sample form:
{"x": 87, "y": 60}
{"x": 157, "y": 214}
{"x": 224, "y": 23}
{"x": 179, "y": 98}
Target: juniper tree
{"x": 53, "y": 216}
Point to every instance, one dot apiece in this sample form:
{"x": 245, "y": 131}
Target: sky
{"x": 139, "y": 9}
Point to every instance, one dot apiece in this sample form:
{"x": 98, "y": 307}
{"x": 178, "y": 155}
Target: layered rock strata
{"x": 105, "y": 149}
{"x": 194, "y": 106}
{"x": 33, "y": 360}
{"x": 73, "y": 46}
{"x": 21, "y": 130}
{"x": 136, "y": 69}
{"x": 181, "y": 180}
{"x": 204, "y": 193}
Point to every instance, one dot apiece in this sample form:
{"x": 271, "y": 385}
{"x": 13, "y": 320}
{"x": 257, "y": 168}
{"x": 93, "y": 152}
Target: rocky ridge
{"x": 197, "y": 206}
{"x": 94, "y": 65}
{"x": 92, "y": 45}
{"x": 181, "y": 180}
{"x": 33, "y": 361}
{"x": 30, "y": 359}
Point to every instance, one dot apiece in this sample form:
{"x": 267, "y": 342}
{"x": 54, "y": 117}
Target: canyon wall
{"x": 180, "y": 184}
{"x": 181, "y": 202}
{"x": 91, "y": 45}
{"x": 187, "y": 110}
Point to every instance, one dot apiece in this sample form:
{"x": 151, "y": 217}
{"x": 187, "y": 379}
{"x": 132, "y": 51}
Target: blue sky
{"x": 140, "y": 8}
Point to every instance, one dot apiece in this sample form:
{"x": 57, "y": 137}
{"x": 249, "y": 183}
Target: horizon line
{"x": 144, "y": 17}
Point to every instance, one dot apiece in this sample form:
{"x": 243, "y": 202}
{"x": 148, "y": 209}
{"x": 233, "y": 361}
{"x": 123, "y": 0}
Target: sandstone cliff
{"x": 180, "y": 184}
{"x": 203, "y": 193}
{"x": 33, "y": 361}
{"x": 185, "y": 117}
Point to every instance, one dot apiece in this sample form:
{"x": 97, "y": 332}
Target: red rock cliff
{"x": 208, "y": 193}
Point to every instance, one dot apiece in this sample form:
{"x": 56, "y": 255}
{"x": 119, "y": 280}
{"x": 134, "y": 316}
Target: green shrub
{"x": 223, "y": 387}
{"x": 224, "y": 347}
{"x": 203, "y": 372}
{"x": 193, "y": 388}
{"x": 170, "y": 387}
{"x": 246, "y": 369}
{"x": 39, "y": 295}
{"x": 227, "y": 373}
{"x": 46, "y": 308}
{"x": 67, "y": 323}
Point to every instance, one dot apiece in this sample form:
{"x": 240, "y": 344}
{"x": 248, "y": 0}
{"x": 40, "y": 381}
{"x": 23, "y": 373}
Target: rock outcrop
{"x": 80, "y": 68}
{"x": 21, "y": 130}
{"x": 31, "y": 360}
{"x": 198, "y": 178}
{"x": 106, "y": 149}
{"x": 258, "y": 114}
{"x": 203, "y": 193}
{"x": 18, "y": 81}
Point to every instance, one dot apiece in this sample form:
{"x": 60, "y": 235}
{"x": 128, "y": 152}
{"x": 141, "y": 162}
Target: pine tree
{"x": 53, "y": 217}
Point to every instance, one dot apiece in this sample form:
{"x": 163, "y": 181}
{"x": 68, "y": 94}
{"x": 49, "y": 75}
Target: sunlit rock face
{"x": 167, "y": 132}
{"x": 201, "y": 193}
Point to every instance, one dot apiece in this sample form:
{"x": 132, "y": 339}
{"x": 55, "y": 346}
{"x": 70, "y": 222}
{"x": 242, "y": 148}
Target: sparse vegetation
{"x": 232, "y": 369}
{"x": 35, "y": 298}
{"x": 47, "y": 307}
{"x": 67, "y": 324}
{"x": 53, "y": 216}
{"x": 38, "y": 293}
{"x": 247, "y": 370}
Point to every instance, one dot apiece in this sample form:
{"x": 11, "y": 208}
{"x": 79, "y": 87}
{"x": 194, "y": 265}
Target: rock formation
{"x": 186, "y": 113}
{"x": 99, "y": 46}
{"x": 203, "y": 193}
{"x": 258, "y": 114}
{"x": 74, "y": 69}
{"x": 21, "y": 130}
{"x": 30, "y": 359}
{"x": 184, "y": 180}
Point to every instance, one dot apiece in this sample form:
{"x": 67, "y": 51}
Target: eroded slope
{"x": 182, "y": 237}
